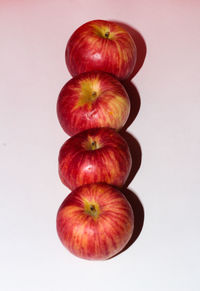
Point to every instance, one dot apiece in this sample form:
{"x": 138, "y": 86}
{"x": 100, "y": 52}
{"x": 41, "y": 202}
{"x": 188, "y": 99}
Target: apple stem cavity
{"x": 91, "y": 144}
{"x": 93, "y": 97}
{"x": 92, "y": 209}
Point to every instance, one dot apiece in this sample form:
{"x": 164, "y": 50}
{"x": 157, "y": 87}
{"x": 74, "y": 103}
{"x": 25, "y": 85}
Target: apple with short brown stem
{"x": 91, "y": 100}
{"x": 93, "y": 156}
{"x": 101, "y": 45}
{"x": 95, "y": 222}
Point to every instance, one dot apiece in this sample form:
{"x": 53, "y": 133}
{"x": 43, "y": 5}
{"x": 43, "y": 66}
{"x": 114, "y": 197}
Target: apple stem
{"x": 93, "y": 210}
{"x": 107, "y": 34}
{"x": 94, "y": 145}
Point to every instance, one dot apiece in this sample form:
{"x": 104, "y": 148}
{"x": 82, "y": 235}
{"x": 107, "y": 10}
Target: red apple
{"x": 95, "y": 222}
{"x": 103, "y": 46}
{"x": 93, "y": 156}
{"x": 90, "y": 100}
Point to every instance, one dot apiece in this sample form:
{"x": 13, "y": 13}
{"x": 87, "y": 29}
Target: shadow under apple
{"x": 136, "y": 155}
{"x": 135, "y": 102}
{"x": 134, "y": 146}
{"x": 140, "y": 45}
{"x": 138, "y": 211}
{"x": 137, "y": 207}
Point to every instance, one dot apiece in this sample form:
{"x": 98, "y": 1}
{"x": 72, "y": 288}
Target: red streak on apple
{"x": 93, "y": 156}
{"x": 95, "y": 222}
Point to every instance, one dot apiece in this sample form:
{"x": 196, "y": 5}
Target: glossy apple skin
{"x": 91, "y": 100}
{"x": 89, "y": 49}
{"x": 108, "y": 160}
{"x": 97, "y": 234}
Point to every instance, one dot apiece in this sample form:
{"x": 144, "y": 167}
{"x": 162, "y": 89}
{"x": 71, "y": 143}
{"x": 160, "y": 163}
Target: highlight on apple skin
{"x": 93, "y": 156}
{"x": 101, "y": 45}
{"x": 95, "y": 222}
{"x": 91, "y": 100}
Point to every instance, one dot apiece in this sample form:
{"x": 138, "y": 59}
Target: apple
{"x": 95, "y": 222}
{"x": 92, "y": 156}
{"x": 90, "y": 100}
{"x": 101, "y": 45}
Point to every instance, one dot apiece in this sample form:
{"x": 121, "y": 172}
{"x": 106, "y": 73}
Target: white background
{"x": 165, "y": 256}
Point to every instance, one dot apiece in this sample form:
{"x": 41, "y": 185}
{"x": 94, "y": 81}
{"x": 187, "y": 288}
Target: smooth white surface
{"x": 166, "y": 254}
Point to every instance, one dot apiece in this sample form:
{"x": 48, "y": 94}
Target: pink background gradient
{"x": 33, "y": 38}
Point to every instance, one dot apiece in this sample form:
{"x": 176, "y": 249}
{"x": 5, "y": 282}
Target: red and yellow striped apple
{"x": 95, "y": 221}
{"x": 101, "y": 45}
{"x": 90, "y": 100}
{"x": 93, "y": 156}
